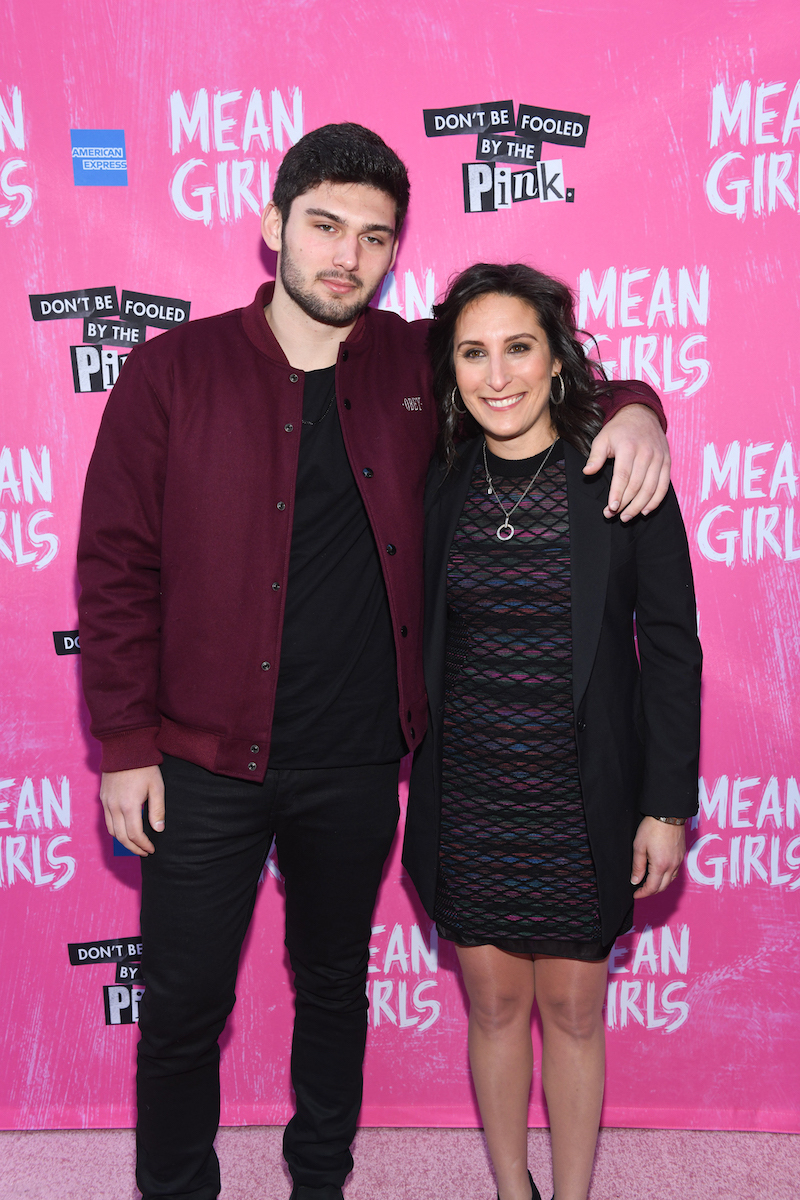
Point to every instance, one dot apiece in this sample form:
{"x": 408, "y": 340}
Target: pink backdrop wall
{"x": 681, "y": 238}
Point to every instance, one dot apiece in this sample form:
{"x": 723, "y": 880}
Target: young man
{"x": 251, "y": 620}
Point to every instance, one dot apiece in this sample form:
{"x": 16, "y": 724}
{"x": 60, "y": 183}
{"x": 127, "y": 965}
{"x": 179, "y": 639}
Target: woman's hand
{"x": 658, "y": 852}
{"x": 635, "y": 440}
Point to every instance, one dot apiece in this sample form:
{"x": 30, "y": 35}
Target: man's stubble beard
{"x": 328, "y": 312}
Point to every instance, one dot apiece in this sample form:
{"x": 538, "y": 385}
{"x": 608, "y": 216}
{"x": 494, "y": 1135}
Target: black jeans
{"x": 333, "y": 829}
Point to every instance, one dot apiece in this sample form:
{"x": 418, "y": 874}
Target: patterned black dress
{"x": 515, "y": 867}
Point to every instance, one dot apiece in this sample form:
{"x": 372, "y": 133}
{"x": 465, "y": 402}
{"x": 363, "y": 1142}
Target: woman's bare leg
{"x": 500, "y": 988}
{"x": 570, "y": 997}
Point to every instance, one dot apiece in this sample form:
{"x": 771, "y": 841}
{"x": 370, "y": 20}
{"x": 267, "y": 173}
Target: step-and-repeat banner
{"x": 649, "y": 155}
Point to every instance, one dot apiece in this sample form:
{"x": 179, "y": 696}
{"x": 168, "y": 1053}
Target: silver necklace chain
{"x": 319, "y": 420}
{"x": 506, "y": 531}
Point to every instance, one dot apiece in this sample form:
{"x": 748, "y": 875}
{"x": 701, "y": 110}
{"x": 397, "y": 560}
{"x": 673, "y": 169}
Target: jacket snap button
{"x": 251, "y": 767}
{"x": 403, "y": 631}
{"x": 276, "y": 587}
{"x": 345, "y": 355}
{"x": 288, "y": 428}
{"x": 390, "y": 549}
{"x": 412, "y": 732}
{"x": 254, "y": 749}
{"x": 348, "y": 405}
{"x": 367, "y": 472}
{"x": 280, "y": 506}
{"x": 265, "y": 666}
{"x": 293, "y": 378}
{"x": 581, "y": 726}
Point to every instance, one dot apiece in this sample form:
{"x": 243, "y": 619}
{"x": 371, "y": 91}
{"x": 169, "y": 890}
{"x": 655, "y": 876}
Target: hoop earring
{"x": 462, "y": 412}
{"x": 556, "y": 402}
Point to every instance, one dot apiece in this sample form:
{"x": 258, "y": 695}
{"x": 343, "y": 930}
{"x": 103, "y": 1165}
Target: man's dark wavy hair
{"x": 344, "y": 153}
{"x": 578, "y": 418}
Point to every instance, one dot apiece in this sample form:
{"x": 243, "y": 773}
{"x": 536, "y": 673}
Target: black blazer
{"x": 637, "y": 718}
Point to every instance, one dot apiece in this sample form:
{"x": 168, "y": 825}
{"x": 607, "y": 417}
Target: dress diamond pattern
{"x": 516, "y": 867}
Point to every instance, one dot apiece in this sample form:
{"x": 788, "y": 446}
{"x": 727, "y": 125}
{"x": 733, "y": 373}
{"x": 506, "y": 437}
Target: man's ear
{"x": 394, "y": 253}
{"x": 271, "y": 226}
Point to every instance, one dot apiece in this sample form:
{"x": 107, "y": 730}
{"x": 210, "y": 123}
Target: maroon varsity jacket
{"x": 187, "y": 519}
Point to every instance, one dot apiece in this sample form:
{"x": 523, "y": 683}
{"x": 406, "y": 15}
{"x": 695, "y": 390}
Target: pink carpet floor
{"x": 419, "y": 1164}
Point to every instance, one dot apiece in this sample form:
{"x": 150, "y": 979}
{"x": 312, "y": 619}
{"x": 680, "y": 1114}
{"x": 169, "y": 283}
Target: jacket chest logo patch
{"x": 413, "y": 403}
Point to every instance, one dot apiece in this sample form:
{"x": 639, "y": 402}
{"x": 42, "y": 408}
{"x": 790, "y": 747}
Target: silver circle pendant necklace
{"x": 506, "y": 531}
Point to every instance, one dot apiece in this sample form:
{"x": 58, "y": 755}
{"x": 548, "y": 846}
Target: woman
{"x": 561, "y": 760}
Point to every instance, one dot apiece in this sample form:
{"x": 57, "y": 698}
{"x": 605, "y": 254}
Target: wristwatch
{"x": 673, "y": 820}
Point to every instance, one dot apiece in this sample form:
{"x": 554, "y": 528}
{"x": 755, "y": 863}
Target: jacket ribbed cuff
{"x": 127, "y": 751}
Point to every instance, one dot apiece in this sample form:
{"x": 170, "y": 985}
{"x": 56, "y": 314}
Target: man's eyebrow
{"x": 337, "y": 220}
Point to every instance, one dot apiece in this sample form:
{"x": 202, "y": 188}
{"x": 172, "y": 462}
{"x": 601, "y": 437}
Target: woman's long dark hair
{"x": 578, "y": 418}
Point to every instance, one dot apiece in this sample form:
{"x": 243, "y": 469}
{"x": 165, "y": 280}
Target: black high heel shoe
{"x": 535, "y": 1195}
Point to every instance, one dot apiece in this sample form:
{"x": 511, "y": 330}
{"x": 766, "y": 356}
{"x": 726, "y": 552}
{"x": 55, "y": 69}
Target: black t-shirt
{"x": 337, "y": 700}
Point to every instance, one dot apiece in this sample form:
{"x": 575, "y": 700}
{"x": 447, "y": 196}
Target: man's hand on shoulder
{"x": 123, "y": 793}
{"x": 635, "y": 440}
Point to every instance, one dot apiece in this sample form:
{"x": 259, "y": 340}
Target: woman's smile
{"x": 505, "y": 402}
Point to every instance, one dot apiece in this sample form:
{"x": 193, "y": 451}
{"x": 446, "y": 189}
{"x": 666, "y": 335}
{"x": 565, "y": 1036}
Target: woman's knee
{"x": 499, "y": 985}
{"x": 495, "y": 1010}
{"x": 574, "y": 1015}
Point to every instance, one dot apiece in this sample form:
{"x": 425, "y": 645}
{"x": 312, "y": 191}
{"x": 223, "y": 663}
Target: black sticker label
{"x": 552, "y": 125}
{"x": 122, "y": 1003}
{"x": 517, "y": 150}
{"x": 496, "y": 116}
{"x": 66, "y": 641}
{"x": 160, "y": 312}
{"x": 66, "y": 306}
{"x": 95, "y": 369}
{"x": 524, "y": 185}
{"x": 129, "y": 973}
{"x": 113, "y": 333}
{"x": 116, "y": 950}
